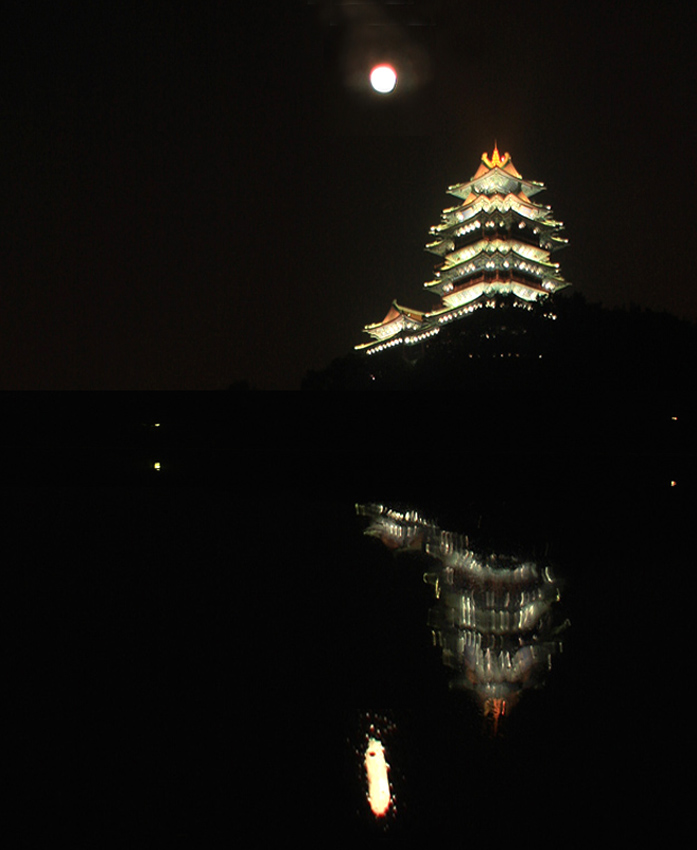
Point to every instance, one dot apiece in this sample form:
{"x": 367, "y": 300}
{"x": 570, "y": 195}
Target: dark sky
{"x": 198, "y": 193}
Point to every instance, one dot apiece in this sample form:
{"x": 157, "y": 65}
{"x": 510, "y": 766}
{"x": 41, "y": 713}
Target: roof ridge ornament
{"x": 496, "y": 161}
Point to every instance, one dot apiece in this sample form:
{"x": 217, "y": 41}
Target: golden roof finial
{"x": 496, "y": 160}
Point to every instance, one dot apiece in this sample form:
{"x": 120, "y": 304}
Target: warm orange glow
{"x": 495, "y": 709}
{"x": 378, "y": 784}
{"x": 496, "y": 161}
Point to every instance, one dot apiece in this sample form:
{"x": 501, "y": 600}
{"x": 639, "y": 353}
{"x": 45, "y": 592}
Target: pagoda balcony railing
{"x": 505, "y": 276}
{"x": 526, "y": 237}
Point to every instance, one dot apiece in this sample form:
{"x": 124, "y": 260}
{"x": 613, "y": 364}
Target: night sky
{"x": 201, "y": 193}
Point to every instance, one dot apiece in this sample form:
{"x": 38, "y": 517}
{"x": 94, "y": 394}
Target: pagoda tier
{"x": 497, "y": 259}
{"x": 498, "y": 216}
{"x": 497, "y": 242}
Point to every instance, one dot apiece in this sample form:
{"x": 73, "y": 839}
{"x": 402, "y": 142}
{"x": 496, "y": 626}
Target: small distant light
{"x": 673, "y": 483}
{"x": 156, "y": 425}
{"x": 674, "y": 418}
{"x": 156, "y": 466}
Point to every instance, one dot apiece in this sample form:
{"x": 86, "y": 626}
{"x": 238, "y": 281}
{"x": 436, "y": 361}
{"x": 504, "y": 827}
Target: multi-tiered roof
{"x": 495, "y": 242}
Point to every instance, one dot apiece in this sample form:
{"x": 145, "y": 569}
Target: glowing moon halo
{"x": 383, "y": 78}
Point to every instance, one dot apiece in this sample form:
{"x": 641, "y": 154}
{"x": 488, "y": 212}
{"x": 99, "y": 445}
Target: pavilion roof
{"x": 482, "y": 205}
{"x": 396, "y": 310}
{"x": 495, "y": 171}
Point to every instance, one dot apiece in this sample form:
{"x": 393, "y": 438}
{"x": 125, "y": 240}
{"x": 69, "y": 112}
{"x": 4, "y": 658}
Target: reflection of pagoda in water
{"x": 495, "y": 617}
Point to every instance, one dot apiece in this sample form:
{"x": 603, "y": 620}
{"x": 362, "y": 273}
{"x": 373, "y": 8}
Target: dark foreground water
{"x": 195, "y": 661}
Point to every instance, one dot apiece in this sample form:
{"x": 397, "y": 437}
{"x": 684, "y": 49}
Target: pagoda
{"x": 494, "y": 246}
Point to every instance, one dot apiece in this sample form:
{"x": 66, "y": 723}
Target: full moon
{"x": 383, "y": 78}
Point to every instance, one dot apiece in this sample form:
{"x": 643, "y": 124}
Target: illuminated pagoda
{"x": 494, "y": 249}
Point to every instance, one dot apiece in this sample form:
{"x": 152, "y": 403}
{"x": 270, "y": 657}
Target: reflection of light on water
{"x": 377, "y": 774}
{"x": 495, "y": 623}
{"x": 396, "y": 529}
{"x": 376, "y": 769}
{"x": 494, "y": 709}
{"x": 496, "y": 617}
